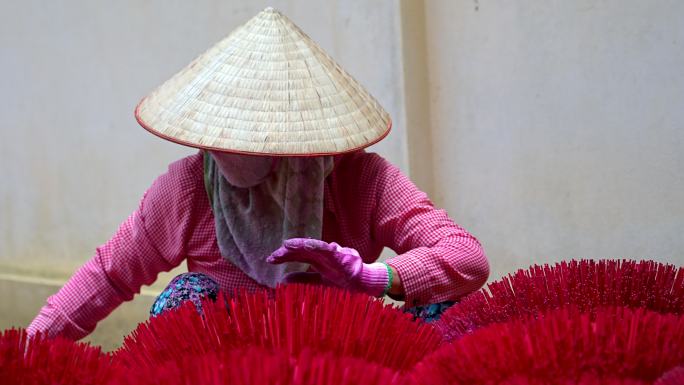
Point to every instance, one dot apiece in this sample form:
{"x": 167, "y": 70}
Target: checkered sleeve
{"x": 437, "y": 259}
{"x": 150, "y": 241}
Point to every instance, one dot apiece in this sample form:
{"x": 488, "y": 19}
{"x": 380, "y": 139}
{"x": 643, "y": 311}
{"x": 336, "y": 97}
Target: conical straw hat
{"x": 265, "y": 89}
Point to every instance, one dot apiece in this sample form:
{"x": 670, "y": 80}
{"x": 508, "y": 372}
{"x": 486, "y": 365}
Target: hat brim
{"x": 149, "y": 128}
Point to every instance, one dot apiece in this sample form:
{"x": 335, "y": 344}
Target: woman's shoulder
{"x": 361, "y": 162}
{"x": 366, "y": 168}
{"x": 181, "y": 181}
{"x": 185, "y": 173}
{"x": 190, "y": 167}
{"x": 176, "y": 206}
{"x": 361, "y": 173}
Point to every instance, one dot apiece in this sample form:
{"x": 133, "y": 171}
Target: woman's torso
{"x": 347, "y": 218}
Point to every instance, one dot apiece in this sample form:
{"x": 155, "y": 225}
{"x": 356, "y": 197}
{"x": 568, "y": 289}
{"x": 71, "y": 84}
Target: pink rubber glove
{"x": 342, "y": 266}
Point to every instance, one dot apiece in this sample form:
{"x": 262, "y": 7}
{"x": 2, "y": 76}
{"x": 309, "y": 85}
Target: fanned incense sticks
{"x": 294, "y": 318}
{"x": 43, "y": 361}
{"x": 262, "y": 366}
{"x": 564, "y": 346}
{"x": 585, "y": 284}
{"x": 578, "y": 322}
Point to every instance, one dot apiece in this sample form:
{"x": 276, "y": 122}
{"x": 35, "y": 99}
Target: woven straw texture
{"x": 267, "y": 88}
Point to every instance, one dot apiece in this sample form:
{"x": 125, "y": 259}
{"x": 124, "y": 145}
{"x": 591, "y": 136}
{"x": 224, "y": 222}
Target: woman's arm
{"x": 151, "y": 240}
{"x": 437, "y": 260}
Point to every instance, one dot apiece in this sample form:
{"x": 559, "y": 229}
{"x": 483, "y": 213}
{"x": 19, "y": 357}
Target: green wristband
{"x": 390, "y": 278}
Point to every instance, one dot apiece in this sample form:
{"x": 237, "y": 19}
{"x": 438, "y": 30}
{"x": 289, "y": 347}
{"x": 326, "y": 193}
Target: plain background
{"x": 549, "y": 129}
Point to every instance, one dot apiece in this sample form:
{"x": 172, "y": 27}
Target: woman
{"x": 281, "y": 191}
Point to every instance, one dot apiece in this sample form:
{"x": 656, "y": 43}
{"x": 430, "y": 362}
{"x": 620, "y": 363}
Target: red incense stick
{"x": 586, "y": 284}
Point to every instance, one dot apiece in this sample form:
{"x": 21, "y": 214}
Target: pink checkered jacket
{"x": 368, "y": 204}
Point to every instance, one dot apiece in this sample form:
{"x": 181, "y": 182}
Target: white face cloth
{"x": 258, "y": 202}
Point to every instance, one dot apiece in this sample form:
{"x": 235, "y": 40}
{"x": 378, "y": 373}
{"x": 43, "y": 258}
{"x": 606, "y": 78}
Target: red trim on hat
{"x": 185, "y": 143}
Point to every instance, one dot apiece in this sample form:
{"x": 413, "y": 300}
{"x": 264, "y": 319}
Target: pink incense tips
{"x": 562, "y": 346}
{"x": 43, "y": 361}
{"x": 585, "y": 284}
{"x": 292, "y": 319}
{"x": 578, "y": 322}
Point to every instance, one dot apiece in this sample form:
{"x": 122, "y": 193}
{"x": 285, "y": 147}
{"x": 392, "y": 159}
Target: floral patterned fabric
{"x": 430, "y": 312}
{"x": 186, "y": 286}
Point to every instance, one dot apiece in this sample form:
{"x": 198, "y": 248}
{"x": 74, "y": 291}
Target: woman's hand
{"x": 341, "y": 266}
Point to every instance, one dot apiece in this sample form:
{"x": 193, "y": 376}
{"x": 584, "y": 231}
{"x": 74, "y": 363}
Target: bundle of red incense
{"x": 584, "y": 284}
{"x": 293, "y": 318}
{"x": 258, "y": 365}
{"x": 565, "y": 346}
{"x": 49, "y": 361}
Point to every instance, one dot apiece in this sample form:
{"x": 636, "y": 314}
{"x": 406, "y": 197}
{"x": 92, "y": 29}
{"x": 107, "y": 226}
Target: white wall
{"x": 553, "y": 129}
{"x": 73, "y": 161}
{"x": 558, "y": 126}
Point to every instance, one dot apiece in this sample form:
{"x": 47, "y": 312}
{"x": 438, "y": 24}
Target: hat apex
{"x": 266, "y": 89}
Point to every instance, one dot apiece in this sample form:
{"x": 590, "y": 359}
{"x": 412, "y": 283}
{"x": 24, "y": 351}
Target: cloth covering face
{"x": 243, "y": 170}
{"x": 254, "y": 220}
